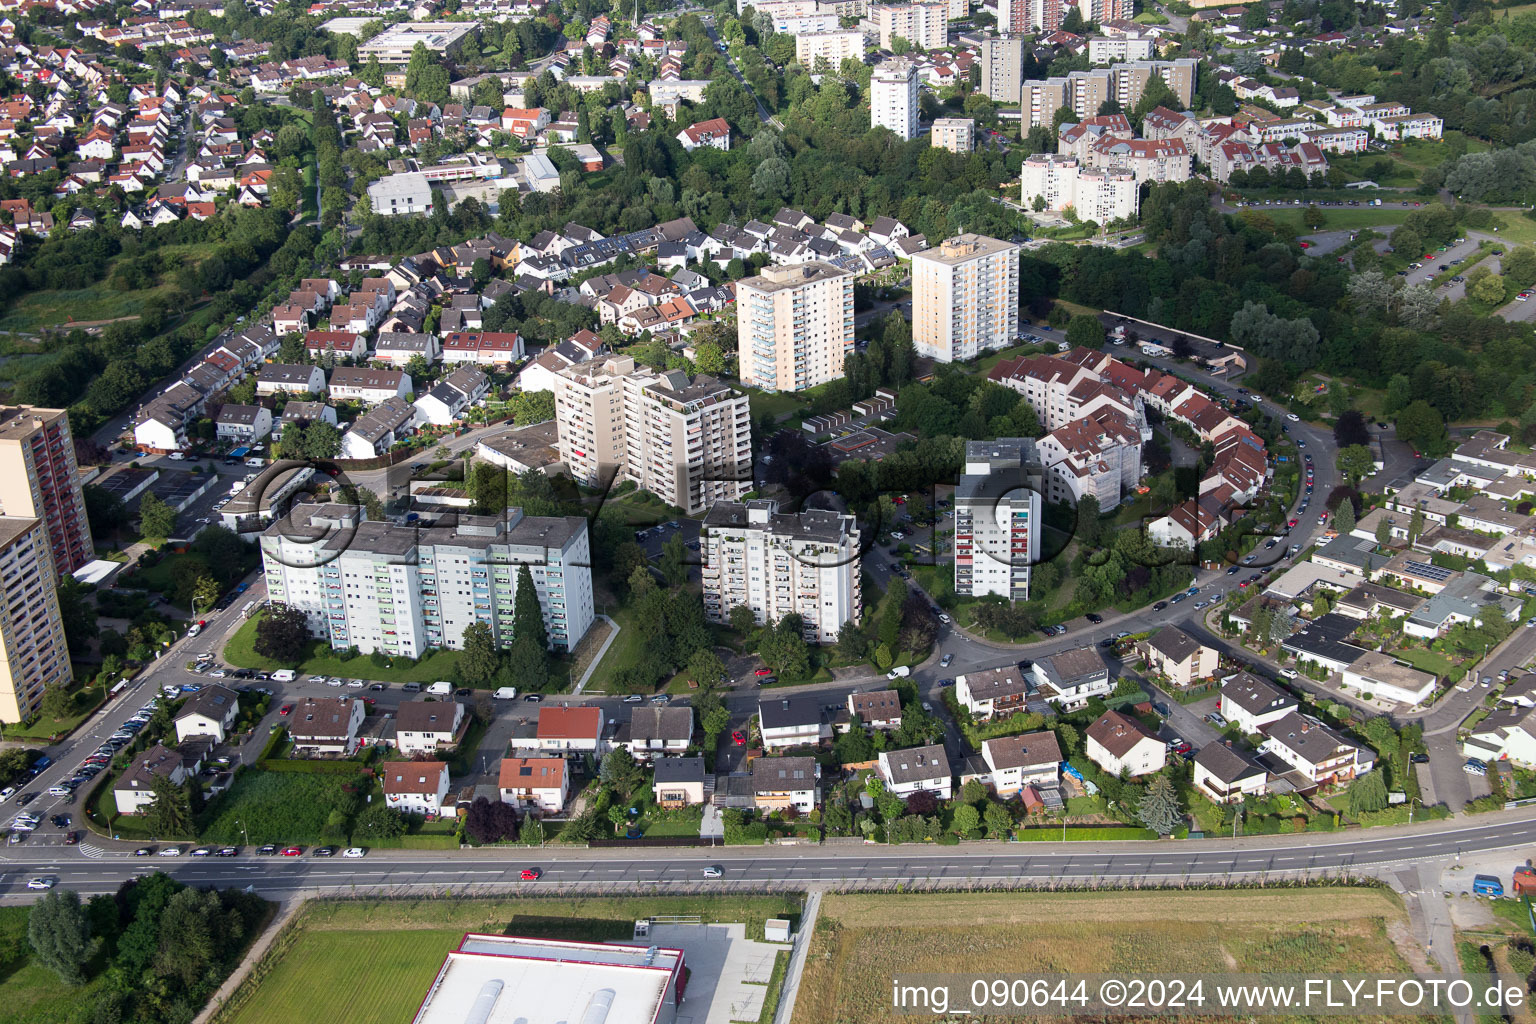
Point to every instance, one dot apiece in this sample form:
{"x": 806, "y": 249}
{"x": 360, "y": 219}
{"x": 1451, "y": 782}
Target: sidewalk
{"x": 285, "y": 913}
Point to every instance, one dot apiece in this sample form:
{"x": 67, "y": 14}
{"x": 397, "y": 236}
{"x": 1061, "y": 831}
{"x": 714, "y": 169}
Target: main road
{"x": 1379, "y": 852}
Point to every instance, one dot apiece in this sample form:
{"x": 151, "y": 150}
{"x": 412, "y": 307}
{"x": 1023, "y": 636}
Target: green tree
{"x": 1084, "y": 331}
{"x": 1344, "y": 517}
{"x": 621, "y": 773}
{"x": 157, "y": 520}
{"x": 999, "y": 823}
{"x": 712, "y": 714}
{"x": 532, "y": 833}
{"x": 59, "y": 931}
{"x": 1160, "y": 810}
{"x": 378, "y": 821}
{"x": 527, "y": 615}
{"x": 57, "y": 702}
{"x": 705, "y": 668}
{"x": 1356, "y": 462}
{"x": 966, "y": 820}
{"x": 283, "y": 634}
{"x": 1367, "y": 793}
{"x": 1488, "y": 290}
{"x": 674, "y": 561}
{"x": 1383, "y": 531}
{"x": 480, "y": 661}
{"x": 1421, "y": 425}
{"x": 171, "y": 812}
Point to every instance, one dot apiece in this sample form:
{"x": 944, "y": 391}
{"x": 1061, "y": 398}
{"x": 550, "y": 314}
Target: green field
{"x": 1429, "y": 661}
{"x": 371, "y": 963}
{"x": 37, "y": 310}
{"x": 241, "y": 653}
{"x": 30, "y": 994}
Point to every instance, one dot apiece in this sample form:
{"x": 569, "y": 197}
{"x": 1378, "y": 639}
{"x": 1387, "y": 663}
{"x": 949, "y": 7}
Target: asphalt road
{"x": 89, "y": 870}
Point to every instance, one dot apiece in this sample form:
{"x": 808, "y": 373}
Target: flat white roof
{"x": 494, "y": 979}
{"x": 95, "y": 570}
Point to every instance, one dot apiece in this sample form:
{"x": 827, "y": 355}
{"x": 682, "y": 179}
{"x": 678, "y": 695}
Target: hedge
{"x": 1084, "y": 832}
{"x": 314, "y": 767}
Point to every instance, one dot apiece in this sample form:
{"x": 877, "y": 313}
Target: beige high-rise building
{"x": 794, "y": 325}
{"x": 777, "y": 564}
{"x": 40, "y": 479}
{"x": 1086, "y": 91}
{"x": 33, "y": 653}
{"x": 687, "y": 441}
{"x": 833, "y": 47}
{"x": 589, "y": 414}
{"x": 925, "y": 26}
{"x": 1002, "y": 65}
{"x": 1040, "y": 99}
{"x": 956, "y": 134}
{"x": 965, "y": 297}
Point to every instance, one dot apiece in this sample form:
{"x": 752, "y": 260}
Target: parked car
{"x": 354, "y": 852}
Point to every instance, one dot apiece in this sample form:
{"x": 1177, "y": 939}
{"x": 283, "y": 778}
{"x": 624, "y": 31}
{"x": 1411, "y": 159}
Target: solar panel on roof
{"x": 1428, "y": 570}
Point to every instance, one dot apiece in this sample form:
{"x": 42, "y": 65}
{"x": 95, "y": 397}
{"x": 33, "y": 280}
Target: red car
{"x": 763, "y": 672}
{"x": 532, "y": 874}
{"x": 1305, "y": 245}
{"x": 1291, "y": 523}
{"x": 293, "y": 851}
{"x": 739, "y": 738}
{"x": 285, "y": 709}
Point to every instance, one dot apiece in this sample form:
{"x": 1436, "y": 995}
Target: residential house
{"x": 294, "y": 378}
{"x": 1386, "y": 678}
{"x": 877, "y": 709}
{"x": 659, "y": 731}
{"x": 679, "y": 781}
{"x": 1013, "y": 762}
{"x": 786, "y": 722}
{"x": 415, "y": 787}
{"x": 368, "y": 385}
{"x": 1507, "y": 734}
{"x": 243, "y": 424}
{"x": 1317, "y": 753}
{"x": 570, "y": 730}
{"x": 993, "y": 692}
{"x": 915, "y": 770}
{"x": 377, "y": 430}
{"x": 1252, "y": 704}
{"x": 1071, "y": 678}
{"x": 427, "y": 726}
{"x": 1120, "y": 744}
{"x": 1226, "y": 775}
{"x": 326, "y": 725}
{"x": 779, "y": 783}
{"x": 1173, "y": 653}
{"x": 449, "y": 398}
{"x": 534, "y": 783}
{"x": 209, "y": 712}
{"x": 134, "y": 790}
{"x": 714, "y": 133}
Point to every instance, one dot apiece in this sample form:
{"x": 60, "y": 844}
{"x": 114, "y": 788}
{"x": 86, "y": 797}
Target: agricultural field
{"x": 365, "y": 962}
{"x": 859, "y": 946}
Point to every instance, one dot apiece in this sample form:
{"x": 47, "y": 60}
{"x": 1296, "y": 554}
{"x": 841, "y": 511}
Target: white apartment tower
{"x": 405, "y": 589}
{"x": 925, "y": 26}
{"x": 776, "y": 563}
{"x": 997, "y": 518}
{"x": 794, "y": 325}
{"x": 965, "y": 297}
{"x": 893, "y": 97}
{"x": 687, "y": 441}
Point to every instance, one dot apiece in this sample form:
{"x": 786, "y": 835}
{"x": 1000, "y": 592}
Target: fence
{"x": 659, "y": 841}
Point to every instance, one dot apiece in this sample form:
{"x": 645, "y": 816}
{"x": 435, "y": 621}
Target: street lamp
{"x": 243, "y": 831}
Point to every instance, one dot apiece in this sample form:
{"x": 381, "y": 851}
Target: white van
{"x": 505, "y": 693}
{"x": 255, "y": 462}
{"x": 440, "y": 689}
{"x": 284, "y": 675}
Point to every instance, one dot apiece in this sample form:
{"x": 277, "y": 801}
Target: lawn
{"x": 39, "y": 309}
{"x": 361, "y": 962}
{"x": 1429, "y": 661}
{"x": 781, "y": 405}
{"x": 274, "y": 807}
{"x": 241, "y": 653}
{"x": 861, "y": 942}
{"x": 29, "y": 993}
{"x": 87, "y": 700}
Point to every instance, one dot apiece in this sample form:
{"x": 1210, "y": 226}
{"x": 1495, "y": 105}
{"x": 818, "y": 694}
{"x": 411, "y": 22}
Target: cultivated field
{"x": 859, "y": 946}
{"x": 369, "y": 962}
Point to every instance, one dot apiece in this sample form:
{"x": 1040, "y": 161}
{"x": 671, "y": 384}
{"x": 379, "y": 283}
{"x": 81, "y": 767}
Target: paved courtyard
{"x": 728, "y": 974}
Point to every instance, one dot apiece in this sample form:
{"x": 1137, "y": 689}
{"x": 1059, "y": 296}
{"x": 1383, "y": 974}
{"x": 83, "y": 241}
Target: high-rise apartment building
{"x": 794, "y": 325}
{"x": 1002, "y": 59}
{"x": 965, "y": 297}
{"x": 687, "y": 441}
{"x": 1086, "y": 91}
{"x": 33, "y": 653}
{"x": 1102, "y": 195}
{"x": 1046, "y": 16}
{"x": 925, "y": 26}
{"x": 776, "y": 564}
{"x": 956, "y": 134}
{"x": 997, "y": 518}
{"x": 833, "y": 47}
{"x": 39, "y": 479}
{"x": 893, "y": 97}
{"x": 405, "y": 589}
